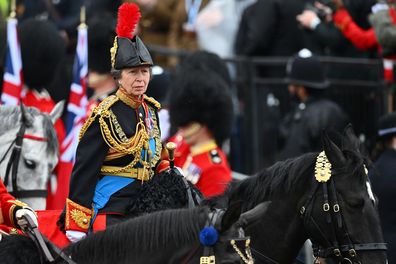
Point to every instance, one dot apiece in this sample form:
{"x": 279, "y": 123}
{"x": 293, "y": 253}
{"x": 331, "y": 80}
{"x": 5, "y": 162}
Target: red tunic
{"x": 7, "y": 208}
{"x": 205, "y": 165}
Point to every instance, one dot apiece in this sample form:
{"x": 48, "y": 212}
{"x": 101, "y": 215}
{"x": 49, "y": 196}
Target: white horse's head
{"x": 38, "y": 152}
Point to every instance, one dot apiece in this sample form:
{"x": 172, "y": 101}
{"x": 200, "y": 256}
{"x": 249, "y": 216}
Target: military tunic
{"x": 205, "y": 165}
{"x": 8, "y": 207}
{"x": 120, "y": 141}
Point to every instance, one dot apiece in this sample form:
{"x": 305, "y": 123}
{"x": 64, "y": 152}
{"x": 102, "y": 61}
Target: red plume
{"x": 128, "y": 17}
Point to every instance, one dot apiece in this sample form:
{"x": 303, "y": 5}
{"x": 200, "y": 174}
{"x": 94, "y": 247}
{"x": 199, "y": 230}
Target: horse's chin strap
{"x": 345, "y": 253}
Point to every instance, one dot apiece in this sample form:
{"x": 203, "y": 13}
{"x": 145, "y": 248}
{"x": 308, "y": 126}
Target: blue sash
{"x": 110, "y": 184}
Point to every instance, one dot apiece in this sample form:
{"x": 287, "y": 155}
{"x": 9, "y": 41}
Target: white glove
{"x": 379, "y": 7}
{"x": 75, "y": 236}
{"x": 24, "y": 211}
{"x": 180, "y": 170}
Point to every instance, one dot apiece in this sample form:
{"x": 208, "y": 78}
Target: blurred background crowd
{"x": 254, "y": 37}
{"x": 253, "y": 45}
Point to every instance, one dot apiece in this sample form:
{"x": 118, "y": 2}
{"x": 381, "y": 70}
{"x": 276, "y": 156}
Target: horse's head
{"x": 29, "y": 151}
{"x": 341, "y": 217}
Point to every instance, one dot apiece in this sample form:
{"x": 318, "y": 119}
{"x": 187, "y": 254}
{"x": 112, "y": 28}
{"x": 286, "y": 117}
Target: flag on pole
{"x": 76, "y": 108}
{"x": 12, "y": 79}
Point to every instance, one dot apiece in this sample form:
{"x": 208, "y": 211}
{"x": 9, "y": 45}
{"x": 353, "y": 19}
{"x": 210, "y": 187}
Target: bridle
{"x": 12, "y": 165}
{"x": 346, "y": 253}
{"x": 208, "y": 256}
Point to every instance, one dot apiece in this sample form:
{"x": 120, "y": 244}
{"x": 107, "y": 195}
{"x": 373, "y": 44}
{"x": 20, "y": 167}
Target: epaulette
{"x": 99, "y": 110}
{"x": 105, "y": 104}
{"x": 152, "y": 102}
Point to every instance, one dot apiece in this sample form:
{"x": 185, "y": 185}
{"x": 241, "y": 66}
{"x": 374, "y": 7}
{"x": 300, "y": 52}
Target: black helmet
{"x": 306, "y": 70}
{"x": 128, "y": 50}
{"x": 387, "y": 125}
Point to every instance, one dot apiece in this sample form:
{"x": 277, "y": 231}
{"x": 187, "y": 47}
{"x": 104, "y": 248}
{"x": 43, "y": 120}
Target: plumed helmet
{"x": 101, "y": 35}
{"x": 42, "y": 50}
{"x": 201, "y": 96}
{"x": 387, "y": 125}
{"x": 128, "y": 50}
{"x": 305, "y": 69}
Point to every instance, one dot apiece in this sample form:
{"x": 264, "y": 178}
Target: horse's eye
{"x": 31, "y": 164}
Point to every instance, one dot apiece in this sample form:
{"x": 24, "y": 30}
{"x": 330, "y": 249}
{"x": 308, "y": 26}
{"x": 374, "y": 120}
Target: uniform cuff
{"x": 78, "y": 217}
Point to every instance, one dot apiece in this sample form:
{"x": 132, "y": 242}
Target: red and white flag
{"x": 12, "y": 79}
{"x": 77, "y": 105}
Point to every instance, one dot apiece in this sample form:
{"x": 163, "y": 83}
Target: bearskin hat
{"x": 201, "y": 96}
{"x": 42, "y": 50}
{"x": 101, "y": 35}
{"x": 387, "y": 126}
{"x": 204, "y": 60}
{"x": 128, "y": 50}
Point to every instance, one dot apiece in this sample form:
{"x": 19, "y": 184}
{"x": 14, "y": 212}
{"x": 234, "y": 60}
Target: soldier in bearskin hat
{"x": 301, "y": 129}
{"x": 201, "y": 108}
{"x": 384, "y": 181}
{"x": 120, "y": 144}
{"x": 101, "y": 35}
{"x": 43, "y": 50}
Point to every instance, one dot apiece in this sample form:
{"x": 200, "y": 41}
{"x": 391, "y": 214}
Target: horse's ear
{"x": 57, "y": 111}
{"x": 333, "y": 153}
{"x": 252, "y": 216}
{"x": 349, "y": 140}
{"x": 26, "y": 118}
{"x": 231, "y": 215}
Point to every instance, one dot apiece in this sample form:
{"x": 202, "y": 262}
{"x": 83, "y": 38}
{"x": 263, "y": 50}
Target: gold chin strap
{"x": 192, "y": 129}
{"x": 322, "y": 168}
{"x": 113, "y": 51}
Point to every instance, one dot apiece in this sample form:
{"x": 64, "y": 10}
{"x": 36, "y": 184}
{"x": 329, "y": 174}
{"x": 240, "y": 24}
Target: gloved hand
{"x": 25, "y": 211}
{"x": 75, "y": 236}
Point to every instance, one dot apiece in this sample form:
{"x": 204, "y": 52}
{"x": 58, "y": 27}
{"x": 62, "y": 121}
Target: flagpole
{"x": 13, "y": 9}
{"x": 82, "y": 18}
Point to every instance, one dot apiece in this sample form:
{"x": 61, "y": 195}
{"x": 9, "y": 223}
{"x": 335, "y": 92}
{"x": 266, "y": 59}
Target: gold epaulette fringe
{"x": 101, "y": 110}
{"x": 153, "y": 102}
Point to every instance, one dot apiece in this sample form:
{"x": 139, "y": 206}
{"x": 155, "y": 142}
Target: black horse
{"x": 338, "y": 215}
{"x": 171, "y": 236}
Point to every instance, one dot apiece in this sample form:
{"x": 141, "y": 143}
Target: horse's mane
{"x": 9, "y": 115}
{"x": 279, "y": 179}
{"x": 149, "y": 233}
{"x": 284, "y": 177}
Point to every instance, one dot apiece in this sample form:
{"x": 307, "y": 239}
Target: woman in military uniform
{"x": 119, "y": 146}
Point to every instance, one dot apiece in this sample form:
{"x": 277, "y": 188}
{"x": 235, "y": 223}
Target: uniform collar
{"x": 129, "y": 100}
{"x": 203, "y": 147}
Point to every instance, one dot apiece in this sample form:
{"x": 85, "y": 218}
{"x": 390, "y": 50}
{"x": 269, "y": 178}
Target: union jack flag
{"x": 77, "y": 105}
{"x": 12, "y": 79}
